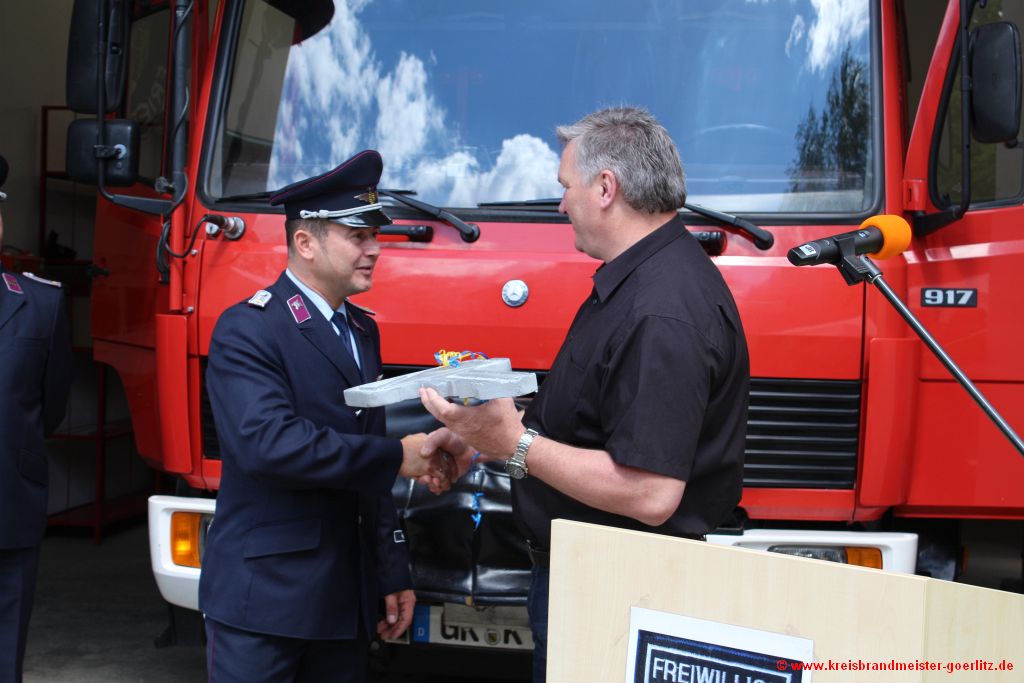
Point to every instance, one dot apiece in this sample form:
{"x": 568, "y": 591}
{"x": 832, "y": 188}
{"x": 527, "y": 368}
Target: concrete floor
{"x": 98, "y": 611}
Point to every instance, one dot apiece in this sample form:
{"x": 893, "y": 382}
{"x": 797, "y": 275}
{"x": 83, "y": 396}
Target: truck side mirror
{"x": 995, "y": 82}
{"x": 310, "y": 15}
{"x": 120, "y": 153}
{"x": 84, "y": 55}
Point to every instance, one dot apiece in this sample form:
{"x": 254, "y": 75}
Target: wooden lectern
{"x": 857, "y": 618}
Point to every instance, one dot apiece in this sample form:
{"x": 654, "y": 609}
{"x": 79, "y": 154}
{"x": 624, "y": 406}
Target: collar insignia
{"x": 12, "y": 284}
{"x": 298, "y": 308}
{"x": 364, "y": 309}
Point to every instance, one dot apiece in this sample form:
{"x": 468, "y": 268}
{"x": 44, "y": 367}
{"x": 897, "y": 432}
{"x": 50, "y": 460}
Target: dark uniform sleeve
{"x": 393, "y": 572}
{"x": 58, "y": 369}
{"x": 254, "y": 408}
{"x": 392, "y": 550}
{"x": 656, "y": 396}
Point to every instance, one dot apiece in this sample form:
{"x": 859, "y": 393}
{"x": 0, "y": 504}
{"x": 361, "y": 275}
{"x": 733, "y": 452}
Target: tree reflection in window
{"x": 832, "y": 145}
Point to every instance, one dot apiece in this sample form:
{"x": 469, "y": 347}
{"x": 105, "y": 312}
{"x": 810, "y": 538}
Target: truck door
{"x": 963, "y": 283}
{"x": 127, "y": 293}
{"x": 125, "y": 239}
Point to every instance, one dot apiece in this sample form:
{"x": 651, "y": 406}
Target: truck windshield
{"x": 769, "y": 101}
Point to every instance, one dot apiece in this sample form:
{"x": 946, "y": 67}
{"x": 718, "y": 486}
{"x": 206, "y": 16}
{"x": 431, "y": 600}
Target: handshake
{"x": 486, "y": 432}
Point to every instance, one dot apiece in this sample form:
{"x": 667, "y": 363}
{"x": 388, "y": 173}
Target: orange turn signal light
{"x": 185, "y": 536}
{"x": 864, "y": 557}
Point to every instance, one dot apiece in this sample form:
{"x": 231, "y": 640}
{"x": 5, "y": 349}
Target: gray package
{"x": 479, "y": 380}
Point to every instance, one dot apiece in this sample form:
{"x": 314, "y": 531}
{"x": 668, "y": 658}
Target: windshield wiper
{"x": 468, "y": 231}
{"x": 537, "y": 204}
{"x": 761, "y": 238}
{"x": 249, "y": 196}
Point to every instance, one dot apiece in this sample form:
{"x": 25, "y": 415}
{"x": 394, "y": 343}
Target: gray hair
{"x": 630, "y": 143}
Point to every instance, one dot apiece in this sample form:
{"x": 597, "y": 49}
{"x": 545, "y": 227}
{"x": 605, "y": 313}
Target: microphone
{"x": 880, "y": 236}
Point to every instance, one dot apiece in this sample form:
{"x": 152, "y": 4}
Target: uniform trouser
{"x": 537, "y": 607}
{"x": 18, "y": 568}
{"x": 237, "y": 656}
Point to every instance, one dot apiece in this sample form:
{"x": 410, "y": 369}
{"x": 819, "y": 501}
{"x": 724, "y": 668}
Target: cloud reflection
{"x": 337, "y": 95}
{"x": 836, "y": 23}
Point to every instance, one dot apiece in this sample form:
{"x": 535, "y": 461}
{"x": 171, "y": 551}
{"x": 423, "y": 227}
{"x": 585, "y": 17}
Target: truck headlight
{"x": 856, "y": 555}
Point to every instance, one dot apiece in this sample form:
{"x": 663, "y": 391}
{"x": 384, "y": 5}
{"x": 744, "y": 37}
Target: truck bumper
{"x": 179, "y": 585}
{"x": 898, "y": 550}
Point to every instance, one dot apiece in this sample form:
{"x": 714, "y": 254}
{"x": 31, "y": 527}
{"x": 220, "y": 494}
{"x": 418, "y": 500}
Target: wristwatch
{"x": 516, "y": 465}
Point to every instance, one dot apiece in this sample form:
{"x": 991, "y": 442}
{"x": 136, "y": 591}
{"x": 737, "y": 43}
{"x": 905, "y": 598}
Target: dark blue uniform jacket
{"x": 304, "y": 539}
{"x": 35, "y": 377}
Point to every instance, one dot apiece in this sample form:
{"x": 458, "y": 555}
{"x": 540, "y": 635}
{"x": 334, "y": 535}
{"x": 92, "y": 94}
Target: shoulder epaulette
{"x": 260, "y": 299}
{"x": 364, "y": 309}
{"x": 33, "y": 276}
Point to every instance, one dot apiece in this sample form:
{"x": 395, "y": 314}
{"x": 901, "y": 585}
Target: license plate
{"x": 429, "y": 626}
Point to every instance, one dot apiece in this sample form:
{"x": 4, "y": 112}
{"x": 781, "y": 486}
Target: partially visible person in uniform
{"x": 305, "y": 539}
{"x": 641, "y": 422}
{"x": 35, "y": 378}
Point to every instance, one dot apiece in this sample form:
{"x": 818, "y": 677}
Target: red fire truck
{"x": 795, "y": 119}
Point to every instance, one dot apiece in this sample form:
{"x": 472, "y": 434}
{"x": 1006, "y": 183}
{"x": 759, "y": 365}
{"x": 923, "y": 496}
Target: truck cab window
{"x": 245, "y": 139}
{"x": 146, "y": 96}
{"x": 997, "y": 169}
{"x": 211, "y": 16}
{"x": 770, "y": 103}
{"x": 921, "y": 23}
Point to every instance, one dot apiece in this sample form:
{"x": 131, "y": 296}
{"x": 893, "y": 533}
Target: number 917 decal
{"x": 957, "y": 298}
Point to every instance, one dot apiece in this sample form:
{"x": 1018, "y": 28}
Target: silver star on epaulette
{"x": 33, "y": 276}
{"x": 260, "y": 299}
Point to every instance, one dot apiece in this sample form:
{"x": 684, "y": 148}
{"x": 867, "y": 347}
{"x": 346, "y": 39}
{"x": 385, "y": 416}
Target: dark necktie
{"x": 341, "y": 323}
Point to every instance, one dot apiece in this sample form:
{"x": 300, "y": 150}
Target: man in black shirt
{"x": 640, "y": 423}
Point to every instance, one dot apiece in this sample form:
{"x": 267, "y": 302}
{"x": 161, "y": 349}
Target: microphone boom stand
{"x": 859, "y": 268}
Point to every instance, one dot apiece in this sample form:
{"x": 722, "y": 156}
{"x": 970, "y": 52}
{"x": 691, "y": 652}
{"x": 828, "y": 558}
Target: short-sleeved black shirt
{"x": 655, "y": 371}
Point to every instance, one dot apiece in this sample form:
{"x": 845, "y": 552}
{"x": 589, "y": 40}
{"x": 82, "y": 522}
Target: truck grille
{"x": 211, "y": 446}
{"x": 802, "y": 434}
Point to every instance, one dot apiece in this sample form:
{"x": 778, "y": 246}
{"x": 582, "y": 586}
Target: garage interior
{"x": 95, "y": 475}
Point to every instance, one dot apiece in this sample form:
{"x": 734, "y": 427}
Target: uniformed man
{"x": 35, "y": 378}
{"x": 305, "y": 537}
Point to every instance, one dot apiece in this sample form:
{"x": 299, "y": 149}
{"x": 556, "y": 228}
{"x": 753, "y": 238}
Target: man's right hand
{"x": 435, "y": 469}
{"x": 447, "y": 441}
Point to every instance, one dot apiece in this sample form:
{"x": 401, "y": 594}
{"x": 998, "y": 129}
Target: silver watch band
{"x": 516, "y": 465}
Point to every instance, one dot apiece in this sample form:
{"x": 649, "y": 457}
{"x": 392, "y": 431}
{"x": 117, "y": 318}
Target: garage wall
{"x": 33, "y": 52}
{"x": 33, "y": 55}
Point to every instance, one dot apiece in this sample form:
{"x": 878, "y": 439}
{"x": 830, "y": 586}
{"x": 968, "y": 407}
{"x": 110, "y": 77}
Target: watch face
{"x": 515, "y": 470}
